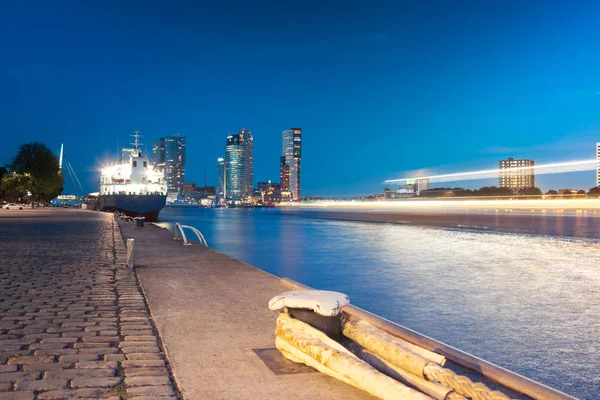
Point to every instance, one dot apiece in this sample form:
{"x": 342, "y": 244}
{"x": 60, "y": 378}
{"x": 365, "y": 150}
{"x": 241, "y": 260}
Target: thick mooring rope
{"x": 461, "y": 384}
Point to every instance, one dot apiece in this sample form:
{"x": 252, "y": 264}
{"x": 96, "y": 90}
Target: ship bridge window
{"x": 145, "y": 164}
{"x": 134, "y": 164}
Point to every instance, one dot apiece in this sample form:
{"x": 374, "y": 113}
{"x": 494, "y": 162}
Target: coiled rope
{"x": 461, "y": 384}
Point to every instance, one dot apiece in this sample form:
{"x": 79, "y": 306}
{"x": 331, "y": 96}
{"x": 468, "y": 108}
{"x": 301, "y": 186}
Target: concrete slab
{"x": 212, "y": 316}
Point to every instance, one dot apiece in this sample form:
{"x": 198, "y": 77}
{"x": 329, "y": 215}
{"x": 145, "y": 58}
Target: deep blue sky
{"x": 379, "y": 88}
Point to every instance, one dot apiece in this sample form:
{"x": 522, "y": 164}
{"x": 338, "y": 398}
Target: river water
{"x": 530, "y": 303}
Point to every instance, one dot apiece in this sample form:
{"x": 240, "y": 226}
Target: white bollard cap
{"x": 322, "y": 302}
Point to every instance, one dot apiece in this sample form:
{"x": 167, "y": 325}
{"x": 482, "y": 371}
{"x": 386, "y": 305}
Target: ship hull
{"x": 147, "y": 206}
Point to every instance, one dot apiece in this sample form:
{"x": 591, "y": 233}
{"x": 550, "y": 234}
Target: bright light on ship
{"x": 553, "y": 168}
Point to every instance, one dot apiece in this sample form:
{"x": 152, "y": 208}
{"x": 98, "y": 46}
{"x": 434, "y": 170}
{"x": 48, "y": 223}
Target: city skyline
{"x": 390, "y": 87}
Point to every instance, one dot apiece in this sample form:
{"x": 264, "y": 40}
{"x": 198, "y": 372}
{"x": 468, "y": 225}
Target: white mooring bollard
{"x": 130, "y": 243}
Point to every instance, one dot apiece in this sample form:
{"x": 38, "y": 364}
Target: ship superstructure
{"x": 132, "y": 186}
{"x": 134, "y": 177}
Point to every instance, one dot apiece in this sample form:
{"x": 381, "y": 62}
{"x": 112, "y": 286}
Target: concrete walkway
{"x": 73, "y": 321}
{"x": 212, "y": 316}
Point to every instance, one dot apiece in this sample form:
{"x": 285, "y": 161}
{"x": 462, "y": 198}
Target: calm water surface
{"x": 530, "y": 303}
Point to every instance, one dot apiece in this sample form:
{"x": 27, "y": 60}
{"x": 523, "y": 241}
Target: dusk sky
{"x": 379, "y": 88}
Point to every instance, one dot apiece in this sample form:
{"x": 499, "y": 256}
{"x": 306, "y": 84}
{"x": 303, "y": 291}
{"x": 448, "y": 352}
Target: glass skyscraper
{"x": 291, "y": 150}
{"x": 168, "y": 154}
{"x": 236, "y": 170}
{"x": 248, "y": 141}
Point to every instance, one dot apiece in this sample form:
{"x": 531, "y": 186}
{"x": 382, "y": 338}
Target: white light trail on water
{"x": 552, "y": 168}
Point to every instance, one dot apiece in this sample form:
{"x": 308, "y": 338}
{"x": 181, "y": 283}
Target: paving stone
{"x": 5, "y": 387}
{"x": 17, "y": 395}
{"x": 143, "y": 363}
{"x": 77, "y": 373}
{"x": 142, "y": 338}
{"x": 54, "y": 352}
{"x": 114, "y": 357}
{"x": 145, "y": 356}
{"x": 145, "y": 371}
{"x": 147, "y": 380}
{"x": 165, "y": 390}
{"x": 98, "y": 350}
{"x": 72, "y": 358}
{"x": 85, "y": 382}
{"x": 30, "y": 359}
{"x": 43, "y": 384}
{"x": 96, "y": 364}
{"x": 75, "y": 393}
{"x": 153, "y": 349}
{"x": 8, "y": 368}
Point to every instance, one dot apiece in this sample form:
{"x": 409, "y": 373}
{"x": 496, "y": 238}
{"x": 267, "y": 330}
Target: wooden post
{"x": 130, "y": 244}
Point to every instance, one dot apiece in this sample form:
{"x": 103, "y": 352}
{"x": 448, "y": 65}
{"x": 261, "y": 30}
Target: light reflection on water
{"x": 528, "y": 303}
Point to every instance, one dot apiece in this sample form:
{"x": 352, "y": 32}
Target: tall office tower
{"x": 516, "y": 174}
{"x": 291, "y": 149}
{"x": 248, "y": 141}
{"x": 235, "y": 167}
{"x": 221, "y": 179}
{"x": 284, "y": 174}
{"x": 168, "y": 153}
{"x": 598, "y": 164}
{"x": 158, "y": 154}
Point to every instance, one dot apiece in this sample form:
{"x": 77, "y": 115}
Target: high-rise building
{"x": 284, "y": 174}
{"x": 598, "y": 164}
{"x": 158, "y": 154}
{"x": 234, "y": 170}
{"x": 221, "y": 180}
{"x": 168, "y": 154}
{"x": 516, "y": 174}
{"x": 248, "y": 141}
{"x": 291, "y": 151}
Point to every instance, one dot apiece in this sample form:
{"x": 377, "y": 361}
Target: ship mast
{"x": 136, "y": 135}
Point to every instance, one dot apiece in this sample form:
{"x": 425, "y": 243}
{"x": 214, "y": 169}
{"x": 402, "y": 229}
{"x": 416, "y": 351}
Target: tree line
{"x": 503, "y": 191}
{"x": 33, "y": 176}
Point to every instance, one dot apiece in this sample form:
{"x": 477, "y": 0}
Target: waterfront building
{"x": 422, "y": 184}
{"x": 189, "y": 187}
{"x": 235, "y": 168}
{"x": 248, "y": 141}
{"x": 221, "y": 179}
{"x": 516, "y": 174}
{"x": 168, "y": 155}
{"x": 597, "y": 164}
{"x": 158, "y": 154}
{"x": 291, "y": 154}
{"x": 269, "y": 192}
{"x": 284, "y": 174}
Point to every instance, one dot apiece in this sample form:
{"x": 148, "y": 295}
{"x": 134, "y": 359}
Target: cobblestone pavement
{"x": 73, "y": 321}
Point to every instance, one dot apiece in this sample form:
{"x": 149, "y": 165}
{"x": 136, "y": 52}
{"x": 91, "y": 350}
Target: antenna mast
{"x": 136, "y": 143}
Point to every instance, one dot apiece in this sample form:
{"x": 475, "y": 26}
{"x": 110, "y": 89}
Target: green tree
{"x": 581, "y": 191}
{"x": 595, "y": 191}
{"x": 3, "y": 171}
{"x": 551, "y": 192}
{"x": 38, "y": 161}
{"x": 15, "y": 186}
{"x": 532, "y": 191}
